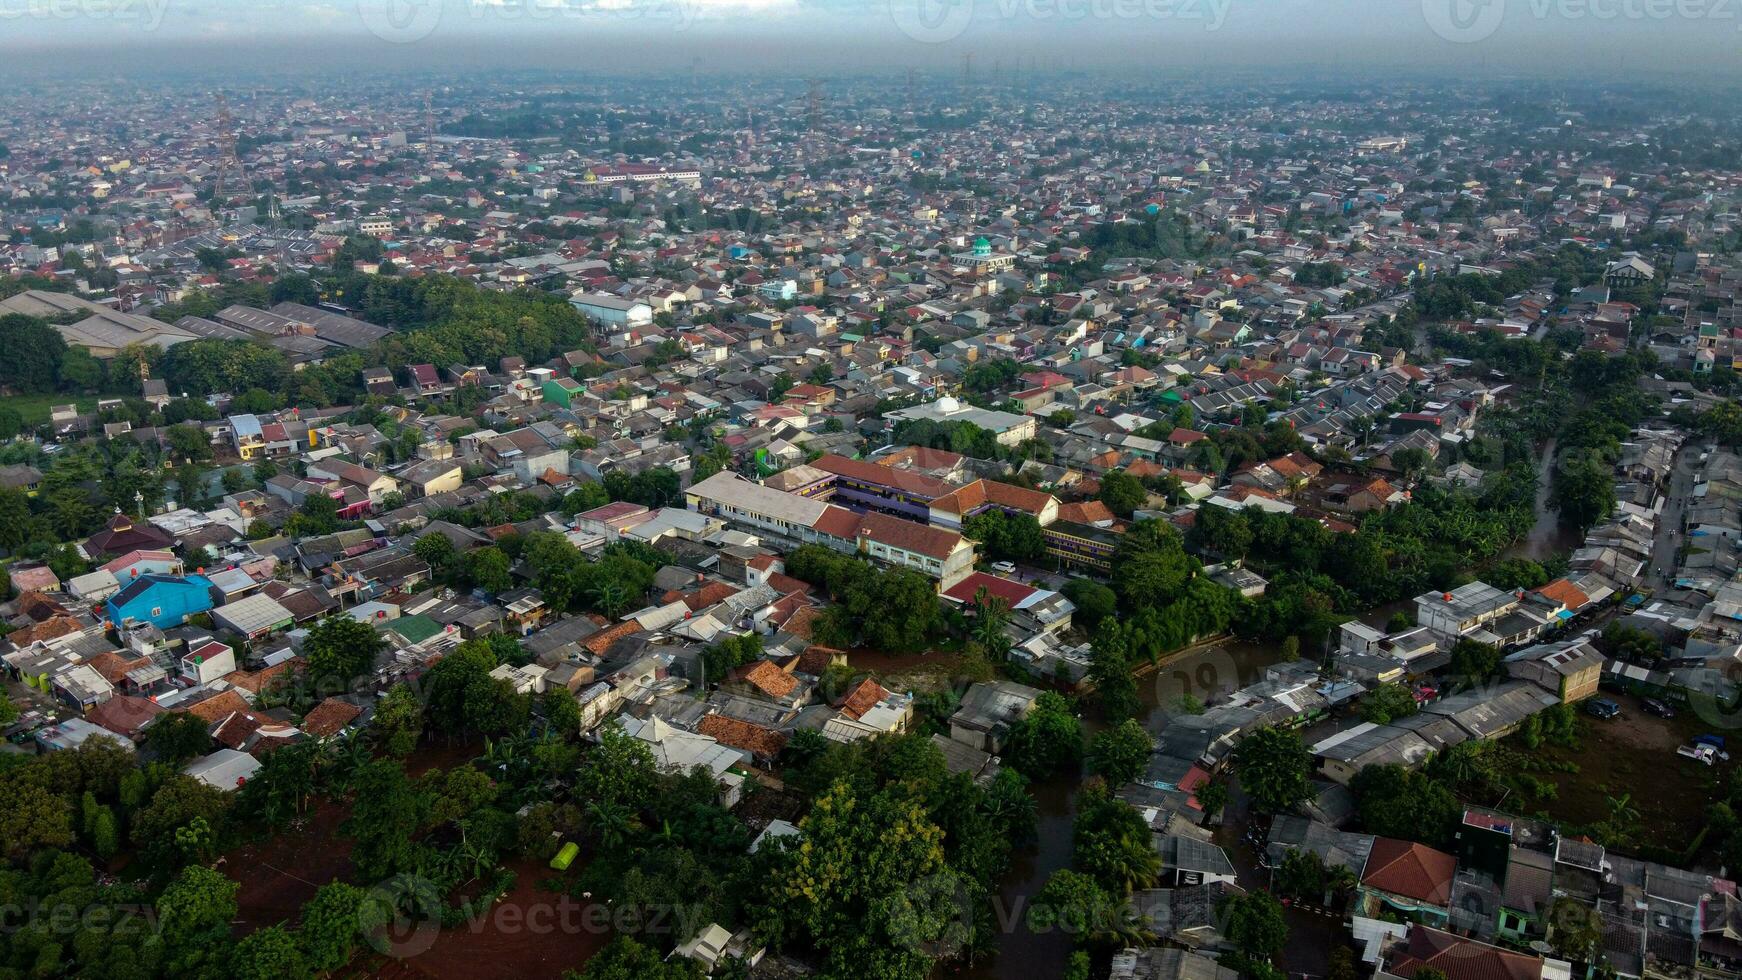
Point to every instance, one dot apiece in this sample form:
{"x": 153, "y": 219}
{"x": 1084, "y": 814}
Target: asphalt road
{"x": 1669, "y": 523}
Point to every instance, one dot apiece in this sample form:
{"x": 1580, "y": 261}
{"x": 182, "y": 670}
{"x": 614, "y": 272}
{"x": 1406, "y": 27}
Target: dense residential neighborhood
{"x": 1177, "y": 535}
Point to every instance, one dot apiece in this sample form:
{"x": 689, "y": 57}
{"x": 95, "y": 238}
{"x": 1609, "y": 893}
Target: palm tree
{"x": 1455, "y": 768}
{"x": 1622, "y": 812}
{"x": 1121, "y": 928}
{"x": 476, "y": 857}
{"x": 990, "y": 615}
{"x": 611, "y": 821}
{"x": 1011, "y": 809}
{"x": 1339, "y": 882}
{"x": 1128, "y": 861}
{"x": 349, "y": 758}
{"x": 611, "y": 598}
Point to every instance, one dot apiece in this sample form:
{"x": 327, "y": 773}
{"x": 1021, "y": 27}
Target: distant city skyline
{"x": 1599, "y": 39}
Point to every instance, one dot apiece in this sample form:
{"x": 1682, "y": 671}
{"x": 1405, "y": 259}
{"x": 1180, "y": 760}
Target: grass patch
{"x": 34, "y": 408}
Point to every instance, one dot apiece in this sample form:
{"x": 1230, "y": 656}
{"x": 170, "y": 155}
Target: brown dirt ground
{"x": 530, "y": 933}
{"x": 1635, "y": 755}
{"x": 280, "y": 873}
{"x": 438, "y": 753}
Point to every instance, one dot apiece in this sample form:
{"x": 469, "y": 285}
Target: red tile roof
{"x": 917, "y": 484}
{"x": 752, "y": 738}
{"x": 921, "y": 457}
{"x": 329, "y": 717}
{"x": 766, "y": 677}
{"x": 1013, "y": 497}
{"x": 703, "y": 597}
{"x": 1011, "y": 592}
{"x": 114, "y": 666}
{"x": 1410, "y": 870}
{"x": 1087, "y": 512}
{"x": 919, "y": 539}
{"x": 802, "y": 621}
{"x": 38, "y": 607}
{"x": 234, "y": 730}
{"x": 1296, "y": 466}
{"x": 1563, "y": 592}
{"x": 601, "y": 641}
{"x": 1460, "y": 959}
{"x": 863, "y": 696}
{"x": 837, "y": 521}
{"x": 124, "y": 714}
{"x": 814, "y": 660}
{"x": 785, "y": 584}
{"x": 52, "y": 629}
{"x": 217, "y": 707}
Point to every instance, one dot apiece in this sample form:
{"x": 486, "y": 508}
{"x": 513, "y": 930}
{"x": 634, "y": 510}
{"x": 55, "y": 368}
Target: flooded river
{"x": 1547, "y": 536}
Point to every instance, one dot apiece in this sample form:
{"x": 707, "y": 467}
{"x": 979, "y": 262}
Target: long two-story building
{"x": 938, "y": 553}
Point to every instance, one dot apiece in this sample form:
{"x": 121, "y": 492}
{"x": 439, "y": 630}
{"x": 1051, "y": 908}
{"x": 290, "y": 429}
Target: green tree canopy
{"x": 1274, "y": 769}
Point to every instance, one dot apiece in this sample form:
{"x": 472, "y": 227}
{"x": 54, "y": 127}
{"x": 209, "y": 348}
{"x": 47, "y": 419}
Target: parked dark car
{"x": 1653, "y": 706}
{"x": 1602, "y": 708}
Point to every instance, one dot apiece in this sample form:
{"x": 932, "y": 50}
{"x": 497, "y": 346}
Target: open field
{"x": 281, "y": 872}
{"x": 34, "y": 408}
{"x": 1634, "y": 755}
{"x": 529, "y": 932}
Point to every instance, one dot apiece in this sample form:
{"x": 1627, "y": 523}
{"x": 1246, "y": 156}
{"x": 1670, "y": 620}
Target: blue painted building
{"x": 163, "y": 600}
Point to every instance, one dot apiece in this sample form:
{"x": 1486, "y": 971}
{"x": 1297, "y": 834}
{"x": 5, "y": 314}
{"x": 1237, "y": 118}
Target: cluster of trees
{"x": 461, "y": 698}
{"x": 1318, "y": 577}
{"x": 1629, "y": 643}
{"x": 961, "y": 437}
{"x": 1093, "y": 600}
{"x": 613, "y": 585}
{"x": 87, "y": 482}
{"x": 1165, "y": 605}
{"x": 119, "y": 932}
{"x": 1048, "y": 740}
{"x": 437, "y": 319}
{"x": 1254, "y": 440}
{"x": 663, "y": 840}
{"x": 656, "y": 487}
{"x": 235, "y": 366}
{"x": 1449, "y": 297}
{"x": 1005, "y": 536}
{"x": 990, "y": 376}
{"x": 720, "y": 658}
{"x": 1275, "y": 769}
{"x": 1112, "y": 854}
{"x": 1320, "y": 274}
{"x": 893, "y": 876}
{"x": 1122, "y": 492}
{"x": 1388, "y": 703}
{"x": 485, "y": 568}
{"x": 892, "y": 609}
{"x": 40, "y": 361}
{"x": 1591, "y": 438}
{"x": 1304, "y": 876}
{"x": 1155, "y": 236}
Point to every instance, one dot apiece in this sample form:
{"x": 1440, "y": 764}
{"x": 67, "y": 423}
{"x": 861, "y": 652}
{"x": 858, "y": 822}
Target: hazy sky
{"x": 1593, "y": 38}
